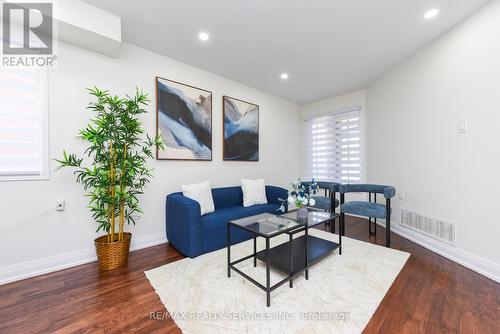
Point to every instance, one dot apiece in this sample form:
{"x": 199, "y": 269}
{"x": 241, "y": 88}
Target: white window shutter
{"x": 333, "y": 147}
{"x": 23, "y": 151}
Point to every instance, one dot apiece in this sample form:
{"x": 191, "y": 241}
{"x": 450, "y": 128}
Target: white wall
{"x": 413, "y": 142}
{"x": 337, "y": 103}
{"x": 59, "y": 239}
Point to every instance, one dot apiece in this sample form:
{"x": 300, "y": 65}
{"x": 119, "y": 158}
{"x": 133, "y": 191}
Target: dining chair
{"x": 368, "y": 208}
{"x": 328, "y": 202}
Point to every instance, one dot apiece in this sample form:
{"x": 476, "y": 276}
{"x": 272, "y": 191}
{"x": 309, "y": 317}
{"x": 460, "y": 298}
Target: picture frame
{"x": 184, "y": 121}
{"x": 240, "y": 130}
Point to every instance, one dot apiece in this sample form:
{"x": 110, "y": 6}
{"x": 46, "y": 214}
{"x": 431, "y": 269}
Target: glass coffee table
{"x": 292, "y": 257}
{"x": 317, "y": 248}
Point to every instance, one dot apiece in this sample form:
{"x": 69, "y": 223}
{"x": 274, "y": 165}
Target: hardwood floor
{"x": 430, "y": 295}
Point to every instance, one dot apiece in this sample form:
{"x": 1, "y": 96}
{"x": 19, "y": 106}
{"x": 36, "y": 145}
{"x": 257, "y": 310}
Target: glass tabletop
{"x": 268, "y": 225}
{"x": 315, "y": 217}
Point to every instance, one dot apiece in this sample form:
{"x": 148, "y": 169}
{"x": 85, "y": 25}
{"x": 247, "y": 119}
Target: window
{"x": 333, "y": 149}
{"x": 23, "y": 124}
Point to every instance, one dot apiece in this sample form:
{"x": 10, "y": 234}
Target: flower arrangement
{"x": 301, "y": 194}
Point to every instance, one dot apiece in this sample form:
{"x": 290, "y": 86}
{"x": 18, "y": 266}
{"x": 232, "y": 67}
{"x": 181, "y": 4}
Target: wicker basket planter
{"x": 112, "y": 255}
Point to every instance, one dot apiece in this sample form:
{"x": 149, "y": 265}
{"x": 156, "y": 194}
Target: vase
{"x": 302, "y": 213}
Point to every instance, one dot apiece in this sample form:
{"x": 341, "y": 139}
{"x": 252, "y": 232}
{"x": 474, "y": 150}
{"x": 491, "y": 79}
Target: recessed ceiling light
{"x": 432, "y": 13}
{"x": 284, "y": 76}
{"x": 203, "y": 36}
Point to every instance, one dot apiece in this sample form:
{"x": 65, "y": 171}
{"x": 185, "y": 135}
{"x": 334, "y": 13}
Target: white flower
{"x": 291, "y": 199}
{"x": 304, "y": 201}
{"x": 312, "y": 202}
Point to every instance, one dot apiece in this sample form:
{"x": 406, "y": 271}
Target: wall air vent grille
{"x": 433, "y": 227}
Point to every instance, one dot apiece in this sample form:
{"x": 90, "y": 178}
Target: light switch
{"x": 401, "y": 194}
{"x": 462, "y": 126}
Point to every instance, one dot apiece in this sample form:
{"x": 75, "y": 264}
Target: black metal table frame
{"x": 331, "y": 221}
{"x": 304, "y": 229}
{"x": 267, "y": 288}
{"x": 332, "y": 228}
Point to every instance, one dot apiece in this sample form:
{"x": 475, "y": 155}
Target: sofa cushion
{"x": 365, "y": 209}
{"x": 227, "y": 197}
{"x": 254, "y": 192}
{"x": 201, "y": 193}
{"x": 214, "y": 225}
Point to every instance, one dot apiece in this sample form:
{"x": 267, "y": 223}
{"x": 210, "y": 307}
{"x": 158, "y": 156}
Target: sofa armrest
{"x": 274, "y": 194}
{"x": 183, "y": 224}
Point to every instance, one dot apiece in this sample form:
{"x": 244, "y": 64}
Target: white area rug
{"x": 341, "y": 295}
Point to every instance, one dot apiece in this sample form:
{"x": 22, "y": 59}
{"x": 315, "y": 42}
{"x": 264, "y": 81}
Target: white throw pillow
{"x": 201, "y": 193}
{"x": 254, "y": 192}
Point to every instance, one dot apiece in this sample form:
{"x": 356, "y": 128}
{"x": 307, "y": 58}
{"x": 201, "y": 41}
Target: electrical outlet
{"x": 60, "y": 205}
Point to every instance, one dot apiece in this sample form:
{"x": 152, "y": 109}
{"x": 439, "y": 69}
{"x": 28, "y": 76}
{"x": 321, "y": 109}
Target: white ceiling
{"x": 328, "y": 47}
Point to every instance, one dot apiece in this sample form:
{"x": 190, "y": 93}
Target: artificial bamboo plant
{"x": 117, "y": 150}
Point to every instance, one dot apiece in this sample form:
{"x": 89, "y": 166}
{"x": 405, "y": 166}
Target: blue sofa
{"x": 193, "y": 234}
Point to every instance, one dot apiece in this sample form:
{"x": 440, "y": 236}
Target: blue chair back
{"x": 387, "y": 191}
{"x": 331, "y": 186}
